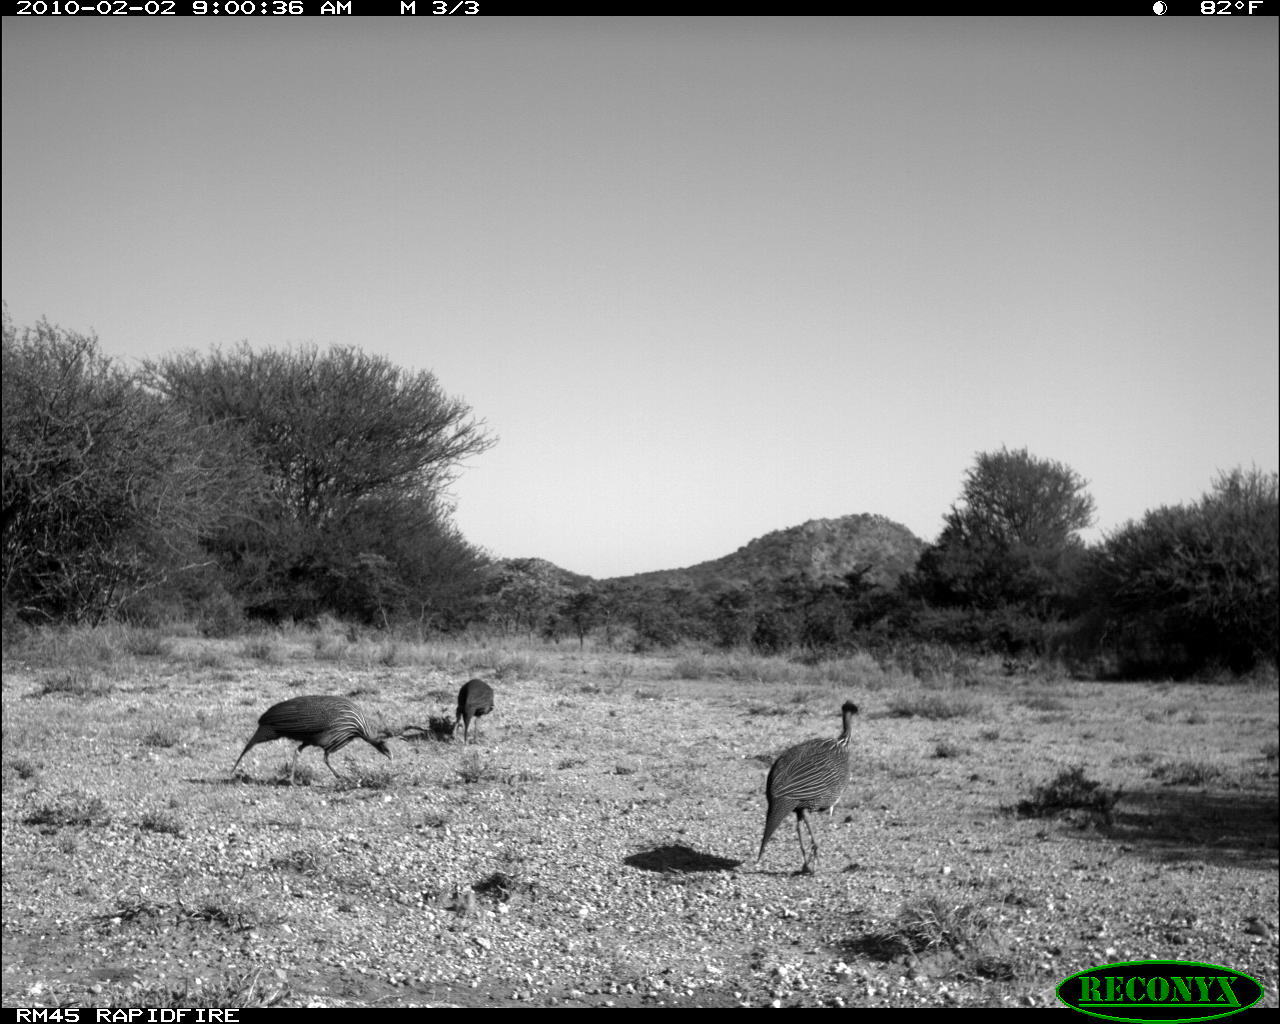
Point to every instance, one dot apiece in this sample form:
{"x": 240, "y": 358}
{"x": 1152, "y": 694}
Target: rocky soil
{"x": 597, "y": 846}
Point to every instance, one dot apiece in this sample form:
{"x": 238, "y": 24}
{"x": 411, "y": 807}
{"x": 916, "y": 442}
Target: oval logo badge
{"x": 1163, "y": 990}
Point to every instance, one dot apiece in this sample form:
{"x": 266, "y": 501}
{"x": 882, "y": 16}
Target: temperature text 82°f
{"x": 1231, "y": 7}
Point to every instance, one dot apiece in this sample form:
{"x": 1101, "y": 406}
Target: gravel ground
{"x": 597, "y": 846}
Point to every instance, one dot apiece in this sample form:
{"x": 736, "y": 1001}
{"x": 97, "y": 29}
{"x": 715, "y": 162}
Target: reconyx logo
{"x": 1163, "y": 990}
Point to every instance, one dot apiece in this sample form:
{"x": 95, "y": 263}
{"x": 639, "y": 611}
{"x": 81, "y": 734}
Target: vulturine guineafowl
{"x": 474, "y": 699}
{"x": 810, "y": 776}
{"x": 317, "y": 721}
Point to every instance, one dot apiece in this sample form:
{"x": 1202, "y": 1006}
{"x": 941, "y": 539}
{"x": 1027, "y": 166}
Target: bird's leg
{"x": 331, "y": 767}
{"x": 813, "y": 839}
{"x": 800, "y": 817}
{"x": 293, "y": 765}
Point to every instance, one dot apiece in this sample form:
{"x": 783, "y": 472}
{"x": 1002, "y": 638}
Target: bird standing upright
{"x": 316, "y": 721}
{"x": 474, "y": 699}
{"x": 810, "y": 776}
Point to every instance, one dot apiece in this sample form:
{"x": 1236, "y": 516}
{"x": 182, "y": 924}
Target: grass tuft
{"x": 162, "y": 737}
{"x": 22, "y": 767}
{"x": 160, "y": 821}
{"x": 1069, "y": 791}
{"x": 70, "y": 809}
{"x": 936, "y": 922}
{"x": 935, "y": 706}
{"x": 236, "y": 991}
{"x": 1188, "y": 773}
{"x": 74, "y": 682}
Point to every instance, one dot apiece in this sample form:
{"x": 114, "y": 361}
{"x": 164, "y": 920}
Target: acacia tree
{"x": 525, "y": 594}
{"x": 107, "y": 488}
{"x": 583, "y": 609}
{"x": 358, "y": 453}
{"x": 1011, "y": 539}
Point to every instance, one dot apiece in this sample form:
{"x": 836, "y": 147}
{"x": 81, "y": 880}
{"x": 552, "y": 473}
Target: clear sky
{"x": 704, "y": 278}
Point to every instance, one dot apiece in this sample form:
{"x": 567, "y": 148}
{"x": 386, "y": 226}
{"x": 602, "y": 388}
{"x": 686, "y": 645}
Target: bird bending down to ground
{"x": 808, "y": 777}
{"x": 327, "y": 722}
{"x": 474, "y": 699}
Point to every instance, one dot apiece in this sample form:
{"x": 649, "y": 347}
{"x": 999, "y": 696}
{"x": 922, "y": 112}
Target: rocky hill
{"x": 819, "y": 549}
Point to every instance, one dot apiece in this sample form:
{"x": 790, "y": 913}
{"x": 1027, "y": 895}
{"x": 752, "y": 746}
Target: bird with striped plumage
{"x": 810, "y": 776}
{"x": 328, "y": 722}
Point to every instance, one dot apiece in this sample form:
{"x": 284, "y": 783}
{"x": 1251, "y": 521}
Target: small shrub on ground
{"x": 438, "y": 729}
{"x": 1187, "y": 773}
{"x": 160, "y": 821}
{"x": 937, "y": 922}
{"x": 500, "y": 886}
{"x": 1202, "y": 773}
{"x": 75, "y": 682}
{"x": 75, "y": 808}
{"x": 942, "y": 924}
{"x": 508, "y": 880}
{"x": 22, "y": 768}
{"x": 1069, "y": 791}
{"x": 935, "y": 706}
{"x": 945, "y": 748}
{"x": 162, "y": 737}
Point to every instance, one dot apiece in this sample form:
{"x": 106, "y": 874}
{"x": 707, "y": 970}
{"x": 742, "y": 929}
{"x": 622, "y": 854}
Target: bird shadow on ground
{"x": 678, "y": 860}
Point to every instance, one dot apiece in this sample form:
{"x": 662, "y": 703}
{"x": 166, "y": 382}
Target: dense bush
{"x": 107, "y": 488}
{"x": 1193, "y": 587}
